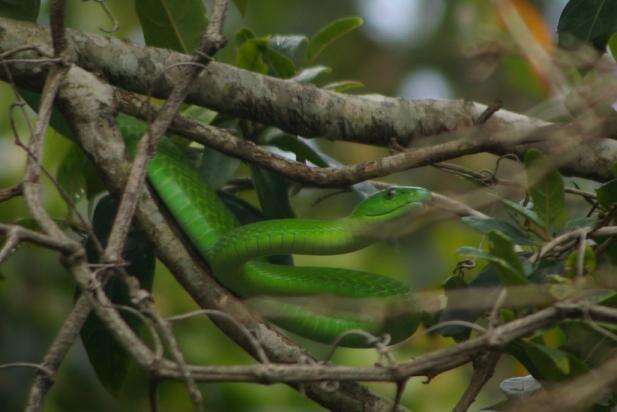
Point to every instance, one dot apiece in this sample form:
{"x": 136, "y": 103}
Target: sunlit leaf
{"x": 344, "y": 86}
{"x": 328, "y": 34}
{"x": 587, "y": 21}
{"x": 20, "y": 9}
{"x": 287, "y": 44}
{"x": 108, "y": 358}
{"x": 612, "y": 45}
{"x": 172, "y": 24}
{"x": 309, "y": 74}
{"x": 546, "y": 189}
{"x": 589, "y": 262}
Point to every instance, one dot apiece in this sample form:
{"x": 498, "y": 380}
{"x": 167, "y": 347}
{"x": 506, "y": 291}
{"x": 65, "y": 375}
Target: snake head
{"x": 391, "y": 203}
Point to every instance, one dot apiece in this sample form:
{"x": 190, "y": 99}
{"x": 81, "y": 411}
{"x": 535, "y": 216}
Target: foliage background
{"x": 407, "y": 48}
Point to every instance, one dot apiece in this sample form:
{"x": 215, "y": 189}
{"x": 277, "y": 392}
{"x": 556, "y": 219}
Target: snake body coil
{"x": 237, "y": 254}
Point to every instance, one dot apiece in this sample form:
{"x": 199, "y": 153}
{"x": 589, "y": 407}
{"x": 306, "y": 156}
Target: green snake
{"x": 237, "y": 254}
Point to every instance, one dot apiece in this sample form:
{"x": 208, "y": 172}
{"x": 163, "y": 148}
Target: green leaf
{"x": 77, "y": 176}
{"x": 273, "y": 194}
{"x": 586, "y": 342}
{"x": 27, "y": 10}
{"x": 293, "y": 144}
{"x": 543, "y": 362}
{"x": 243, "y": 35}
{"x": 612, "y": 45}
{"x": 500, "y": 246}
{"x": 607, "y": 194}
{"x": 546, "y": 189}
{"x": 310, "y": 74}
{"x": 453, "y": 286}
{"x": 249, "y": 55}
{"x": 587, "y": 21}
{"x": 589, "y": 262}
{"x": 521, "y": 210}
{"x": 328, "y": 34}
{"x": 217, "y": 168}
{"x": 344, "y": 85}
{"x": 172, "y": 24}
{"x": 241, "y": 5}
{"x": 57, "y": 121}
{"x": 486, "y": 225}
{"x": 282, "y": 65}
{"x": 108, "y": 358}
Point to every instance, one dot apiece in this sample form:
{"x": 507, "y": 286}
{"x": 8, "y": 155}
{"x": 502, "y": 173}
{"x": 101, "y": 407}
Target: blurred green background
{"x": 407, "y": 48}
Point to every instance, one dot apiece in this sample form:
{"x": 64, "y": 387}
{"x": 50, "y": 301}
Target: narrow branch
{"x": 10, "y": 192}
{"x": 484, "y": 367}
{"x": 457, "y": 144}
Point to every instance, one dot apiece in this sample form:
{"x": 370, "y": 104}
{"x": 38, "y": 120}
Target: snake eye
{"x": 390, "y": 193}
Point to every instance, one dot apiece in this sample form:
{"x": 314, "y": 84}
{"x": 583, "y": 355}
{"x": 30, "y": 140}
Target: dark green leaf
{"x": 454, "y": 288}
{"x": 20, "y": 9}
{"x": 241, "y": 5}
{"x": 521, "y": 210}
{"x": 486, "y": 225}
{"x": 309, "y": 75}
{"x": 57, "y": 121}
{"x": 282, "y": 65}
{"x": 612, "y": 45}
{"x": 108, "y": 358}
{"x": 273, "y": 194}
{"x": 580, "y": 222}
{"x": 586, "y": 342}
{"x": 344, "y": 85}
{"x": 326, "y": 35}
{"x": 546, "y": 189}
{"x": 249, "y": 56}
{"x": 508, "y": 274}
{"x": 543, "y": 362}
{"x": 511, "y": 273}
{"x": 587, "y": 21}
{"x": 607, "y": 194}
{"x": 217, "y": 168}
{"x": 77, "y": 176}
{"x": 243, "y": 35}
{"x": 289, "y": 143}
{"x": 172, "y": 24}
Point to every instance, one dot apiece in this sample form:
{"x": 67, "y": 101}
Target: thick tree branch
{"x": 294, "y": 107}
{"x": 297, "y": 108}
